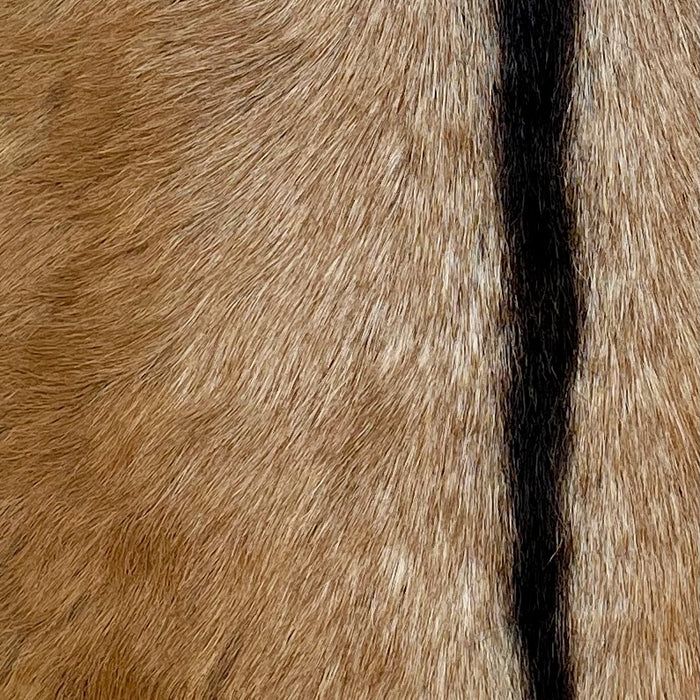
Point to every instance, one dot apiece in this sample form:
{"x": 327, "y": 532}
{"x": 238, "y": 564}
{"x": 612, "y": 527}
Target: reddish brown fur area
{"x": 251, "y": 365}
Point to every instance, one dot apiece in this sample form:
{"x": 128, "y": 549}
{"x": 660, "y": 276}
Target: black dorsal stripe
{"x": 537, "y": 45}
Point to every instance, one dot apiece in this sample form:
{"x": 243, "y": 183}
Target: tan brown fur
{"x": 251, "y": 365}
{"x": 252, "y": 360}
{"x": 634, "y": 493}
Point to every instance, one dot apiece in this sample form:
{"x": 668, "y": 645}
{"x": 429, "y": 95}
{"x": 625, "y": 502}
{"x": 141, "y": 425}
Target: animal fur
{"x": 634, "y": 488}
{"x": 254, "y": 359}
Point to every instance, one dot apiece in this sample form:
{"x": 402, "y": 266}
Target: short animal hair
{"x": 349, "y": 350}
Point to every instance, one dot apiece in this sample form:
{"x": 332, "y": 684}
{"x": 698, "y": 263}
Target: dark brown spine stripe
{"x": 537, "y": 45}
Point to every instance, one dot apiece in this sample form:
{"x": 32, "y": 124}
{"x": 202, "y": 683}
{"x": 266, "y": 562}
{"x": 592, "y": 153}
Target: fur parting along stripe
{"x": 537, "y": 39}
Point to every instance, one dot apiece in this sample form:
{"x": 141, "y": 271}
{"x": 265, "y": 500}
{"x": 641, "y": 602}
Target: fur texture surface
{"x": 634, "y": 488}
{"x": 255, "y": 356}
{"x": 537, "y": 48}
{"x": 252, "y": 364}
